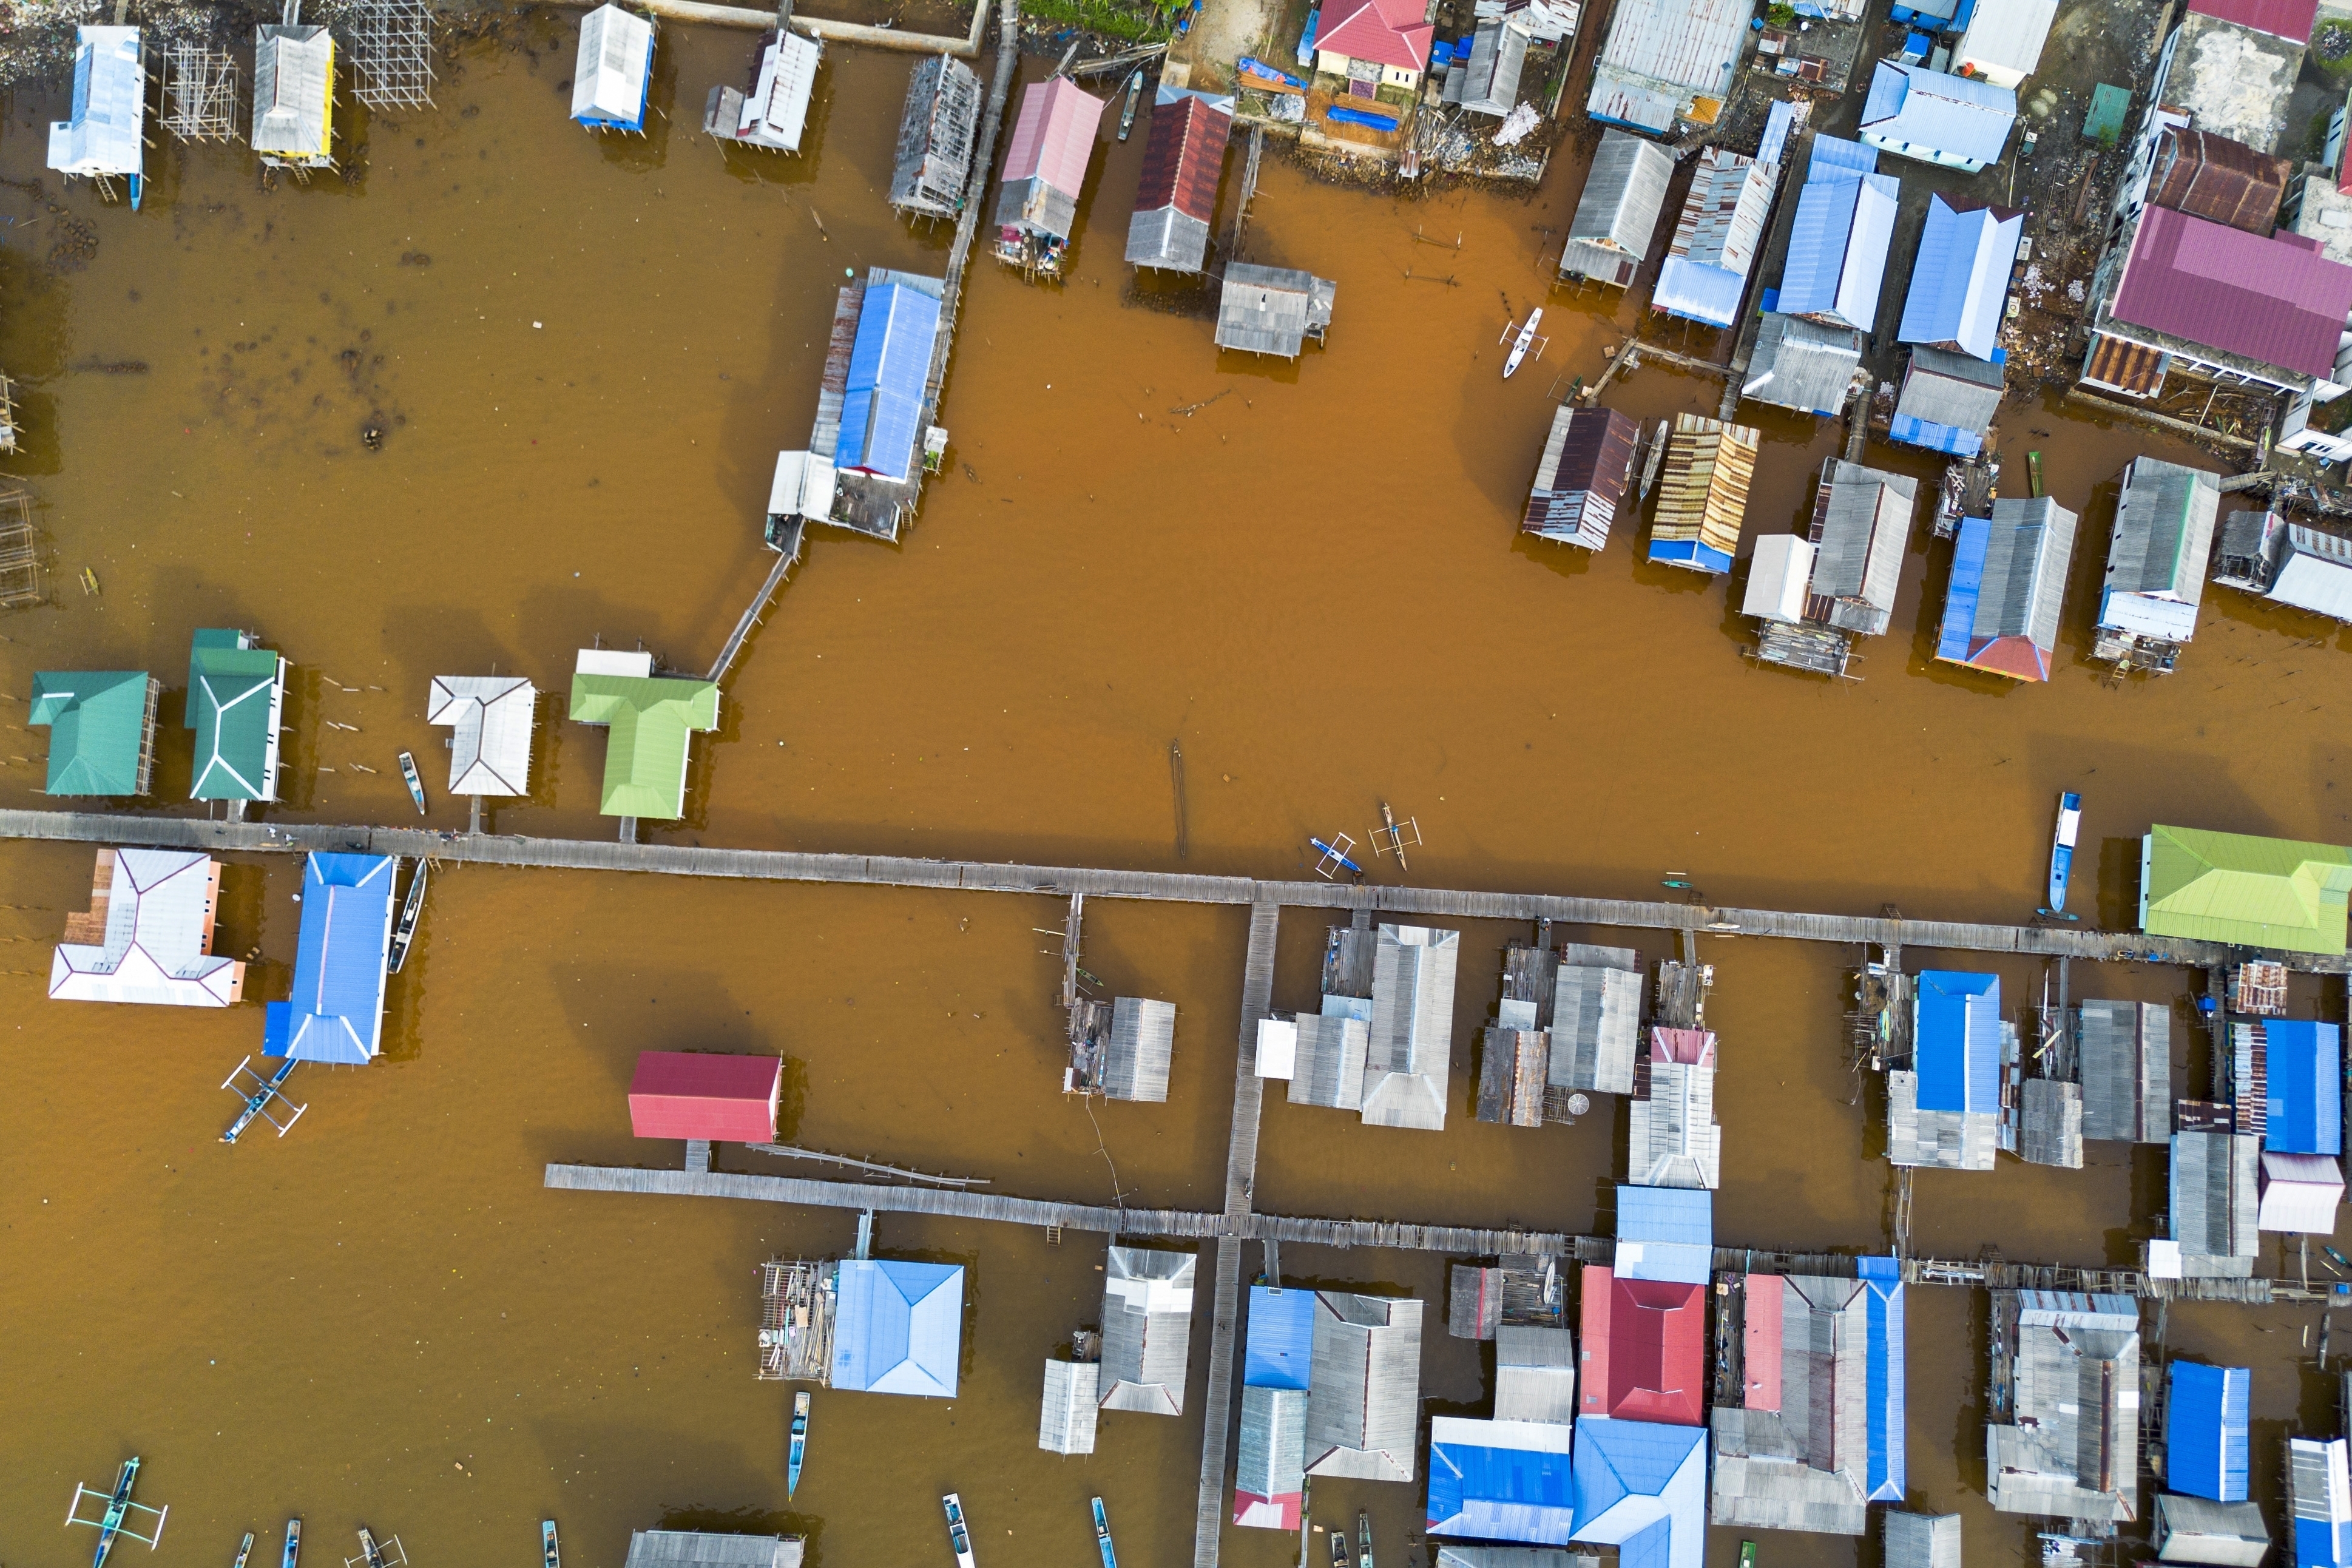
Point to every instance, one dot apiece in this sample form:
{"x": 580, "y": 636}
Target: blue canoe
{"x": 2062, "y": 848}
{"x": 1102, "y": 1536}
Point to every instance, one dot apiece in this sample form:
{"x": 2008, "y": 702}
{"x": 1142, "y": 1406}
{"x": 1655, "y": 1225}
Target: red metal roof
{"x": 1643, "y": 1350}
{"x": 2261, "y": 297}
{"x": 687, "y": 1094}
{"x": 1759, "y": 1351}
{"x": 1184, "y": 159}
{"x": 1389, "y": 31}
{"x": 2288, "y": 19}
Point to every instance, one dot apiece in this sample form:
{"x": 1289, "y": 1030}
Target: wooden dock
{"x": 215, "y": 837}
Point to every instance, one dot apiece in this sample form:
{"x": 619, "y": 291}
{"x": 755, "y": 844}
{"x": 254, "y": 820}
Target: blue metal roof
{"x": 1914, "y": 431}
{"x": 1959, "y": 285}
{"x": 1957, "y": 1037}
{"x": 1641, "y": 1486}
{"x": 1280, "y": 1347}
{"x": 1933, "y": 111}
{"x": 1837, "y": 246}
{"x": 2320, "y": 1544}
{"x": 1667, "y": 1234}
{"x": 2205, "y": 1430}
{"x": 1698, "y": 291}
{"x": 1837, "y": 152}
{"x": 889, "y": 361}
{"x": 897, "y": 1327}
{"x": 1690, "y": 551}
{"x": 337, "y": 1011}
{"x": 1959, "y": 629}
{"x": 2306, "y": 1089}
{"x": 1885, "y": 1403}
{"x": 1778, "y": 120}
{"x": 1514, "y": 1483}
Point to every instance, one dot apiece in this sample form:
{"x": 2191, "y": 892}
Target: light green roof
{"x": 236, "y": 692}
{"x": 98, "y": 728}
{"x": 2248, "y": 891}
{"x": 645, "y": 762}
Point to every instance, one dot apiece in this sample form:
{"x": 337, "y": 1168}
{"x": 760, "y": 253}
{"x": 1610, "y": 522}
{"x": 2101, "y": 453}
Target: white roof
{"x": 490, "y": 753}
{"x": 2149, "y": 616}
{"x": 158, "y": 911}
{"x": 777, "y": 112}
{"x": 2316, "y": 575}
{"x": 1277, "y": 1048}
{"x": 609, "y": 81}
{"x": 613, "y": 661}
{"x": 2300, "y": 1193}
{"x": 1777, "y": 575}
{"x": 109, "y": 106}
{"x": 803, "y": 486}
{"x": 2006, "y": 35}
{"x": 293, "y": 87}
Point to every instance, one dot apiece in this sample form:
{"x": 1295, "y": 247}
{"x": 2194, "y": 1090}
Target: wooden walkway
{"x": 1062, "y": 882}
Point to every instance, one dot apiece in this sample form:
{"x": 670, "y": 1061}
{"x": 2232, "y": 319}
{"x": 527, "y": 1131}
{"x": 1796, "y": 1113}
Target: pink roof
{"x": 2264, "y": 298}
{"x": 1392, "y": 32}
{"x": 2288, "y": 19}
{"x": 1759, "y": 1353}
{"x": 685, "y": 1094}
{"x": 1053, "y": 139}
{"x": 1693, "y": 1047}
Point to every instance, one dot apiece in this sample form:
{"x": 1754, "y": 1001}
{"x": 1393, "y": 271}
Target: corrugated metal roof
{"x": 2050, "y": 1124}
{"x": 1461, "y": 1554}
{"x": 2244, "y": 890}
{"x": 1500, "y": 1480}
{"x": 1183, "y": 163}
{"x": 1722, "y": 219}
{"x": 1914, "y": 111}
{"x": 2124, "y": 1049}
{"x": 1269, "y": 1472}
{"x": 2005, "y": 36}
{"x": 1535, "y": 1372}
{"x": 1861, "y": 525}
{"x": 159, "y": 906}
{"x": 1147, "y": 1328}
{"x": 1837, "y": 248}
{"x": 492, "y": 717}
{"x": 1802, "y": 365}
{"x": 2008, "y": 579}
{"x": 98, "y": 723}
{"x": 1667, "y": 1214}
{"x": 890, "y": 363}
{"x": 1957, "y": 391}
{"x": 1596, "y": 1028}
{"x": 2213, "y": 1200}
{"x": 2288, "y": 19}
{"x": 2191, "y": 1530}
{"x": 105, "y": 134}
{"x": 1777, "y": 570}
{"x": 1959, "y": 285}
{"x": 614, "y": 66}
{"x": 1690, "y": 45}
{"x": 1675, "y": 1142}
{"x": 336, "y": 1012}
{"x": 2163, "y": 537}
{"x": 1330, "y": 1068}
{"x": 1054, "y": 138}
{"x": 933, "y": 159}
{"x": 1642, "y": 1487}
{"x": 2205, "y": 1414}
{"x": 1142, "y": 1044}
{"x": 704, "y": 1094}
{"x": 1498, "y": 50}
{"x": 1279, "y": 1348}
{"x": 698, "y": 1549}
{"x": 651, "y": 719}
{"x": 1580, "y": 479}
{"x": 2306, "y": 1088}
{"x": 1272, "y": 309}
{"x": 2313, "y": 570}
{"x": 1703, "y": 498}
{"x": 1625, "y": 99}
{"x": 897, "y": 1327}
{"x": 2270, "y": 299}
{"x": 1624, "y": 194}
{"x": 1956, "y": 1033}
{"x": 2320, "y": 1496}
{"x": 1066, "y": 1417}
{"x": 2209, "y": 176}
{"x": 1363, "y": 1411}
{"x": 1408, "y": 1054}
{"x": 1829, "y": 154}
{"x": 236, "y": 700}
{"x": 1643, "y": 1348}
{"x": 1168, "y": 239}
{"x": 1923, "y": 1540}
{"x": 1948, "y": 1140}
{"x": 2074, "y": 1450}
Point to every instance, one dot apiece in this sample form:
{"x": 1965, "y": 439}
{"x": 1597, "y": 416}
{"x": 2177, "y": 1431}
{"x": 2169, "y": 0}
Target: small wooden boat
{"x": 1134, "y": 91}
{"x": 244, "y": 1552}
{"x": 293, "y": 1544}
{"x": 385, "y": 1554}
{"x": 1339, "y": 1547}
{"x": 958, "y": 1533}
{"x": 1102, "y": 1536}
{"x": 119, "y": 1516}
{"x": 2062, "y": 852}
{"x": 799, "y": 1445}
{"x": 551, "y": 1554}
{"x": 415, "y": 784}
{"x": 410, "y": 912}
{"x": 1522, "y": 343}
{"x": 1363, "y": 1539}
{"x": 1747, "y": 1554}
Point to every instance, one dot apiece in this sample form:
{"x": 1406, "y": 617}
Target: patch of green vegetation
{"x": 1780, "y": 13}
{"x": 1137, "y": 24}
{"x": 2331, "y": 49}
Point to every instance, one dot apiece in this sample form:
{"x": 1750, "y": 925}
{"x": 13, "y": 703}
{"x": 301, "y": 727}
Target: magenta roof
{"x": 2269, "y": 299}
{"x": 1053, "y": 139}
{"x": 2288, "y": 19}
{"x": 1393, "y": 32}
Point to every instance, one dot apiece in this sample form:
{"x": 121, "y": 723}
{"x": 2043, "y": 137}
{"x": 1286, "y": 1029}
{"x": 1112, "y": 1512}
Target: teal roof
{"x": 237, "y": 693}
{"x": 98, "y": 728}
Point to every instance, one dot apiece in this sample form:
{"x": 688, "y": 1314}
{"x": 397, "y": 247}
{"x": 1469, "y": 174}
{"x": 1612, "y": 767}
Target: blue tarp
{"x": 1364, "y": 117}
{"x": 1968, "y": 580}
{"x": 1956, "y": 1039}
{"x": 2205, "y": 1430}
{"x": 1884, "y": 1415}
{"x": 1641, "y": 1486}
{"x": 1689, "y": 553}
{"x": 1665, "y": 1233}
{"x": 1280, "y": 1349}
{"x": 1306, "y": 39}
{"x": 1914, "y": 431}
{"x": 1514, "y": 1483}
{"x": 882, "y": 405}
{"x": 1959, "y": 285}
{"x": 2306, "y": 1087}
{"x": 897, "y": 1327}
{"x": 337, "y": 1011}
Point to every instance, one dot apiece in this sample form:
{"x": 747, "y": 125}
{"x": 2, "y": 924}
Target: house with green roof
{"x": 651, "y": 718}
{"x": 2248, "y": 891}
{"x": 236, "y": 699}
{"x": 101, "y": 728}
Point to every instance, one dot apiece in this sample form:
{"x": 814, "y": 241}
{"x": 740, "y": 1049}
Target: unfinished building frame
{"x": 390, "y": 43}
{"x": 199, "y": 92}
{"x": 20, "y": 552}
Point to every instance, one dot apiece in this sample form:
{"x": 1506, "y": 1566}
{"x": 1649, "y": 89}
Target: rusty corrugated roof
{"x": 2210, "y": 176}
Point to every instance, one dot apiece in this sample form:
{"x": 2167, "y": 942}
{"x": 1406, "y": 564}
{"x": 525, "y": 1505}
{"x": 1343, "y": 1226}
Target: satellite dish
{"x": 1578, "y": 1104}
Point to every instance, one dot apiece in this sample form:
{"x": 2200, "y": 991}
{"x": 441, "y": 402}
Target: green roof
{"x": 2249, "y": 892}
{"x": 237, "y": 693}
{"x": 98, "y": 728}
{"x": 645, "y": 762}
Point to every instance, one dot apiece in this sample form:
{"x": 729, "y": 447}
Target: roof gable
{"x": 1389, "y": 32}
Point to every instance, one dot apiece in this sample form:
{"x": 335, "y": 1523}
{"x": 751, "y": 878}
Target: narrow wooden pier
{"x": 215, "y": 837}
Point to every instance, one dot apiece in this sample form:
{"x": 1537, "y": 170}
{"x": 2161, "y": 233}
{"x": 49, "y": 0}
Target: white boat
{"x": 959, "y": 1532}
{"x": 1521, "y": 343}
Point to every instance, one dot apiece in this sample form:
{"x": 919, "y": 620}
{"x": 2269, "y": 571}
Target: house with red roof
{"x": 1385, "y": 42}
{"x": 1643, "y": 1349}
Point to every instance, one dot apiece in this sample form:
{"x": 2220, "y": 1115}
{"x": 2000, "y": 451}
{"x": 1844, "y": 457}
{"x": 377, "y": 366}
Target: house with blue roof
{"x": 2305, "y": 1087}
{"x": 2320, "y": 1496}
{"x": 1960, "y": 284}
{"x": 1665, "y": 1233}
{"x": 1641, "y": 1488}
{"x": 1933, "y": 118}
{"x": 897, "y": 1327}
{"x": 1277, "y": 1358}
{"x": 2205, "y": 1414}
{"x": 1944, "y": 1108}
{"x": 336, "y": 1013}
{"x": 889, "y": 363}
{"x": 1501, "y": 1480}
{"x": 1839, "y": 239}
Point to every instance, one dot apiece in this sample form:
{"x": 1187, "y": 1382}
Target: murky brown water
{"x": 585, "y": 354}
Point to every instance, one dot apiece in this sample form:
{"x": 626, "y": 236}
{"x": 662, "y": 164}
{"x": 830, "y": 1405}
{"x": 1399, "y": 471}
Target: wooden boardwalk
{"x": 1062, "y": 882}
